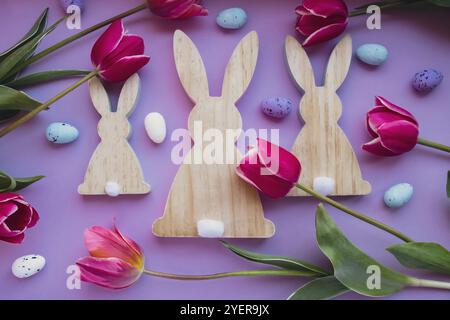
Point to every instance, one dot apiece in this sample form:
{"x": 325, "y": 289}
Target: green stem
{"x": 393, "y": 4}
{"x": 433, "y": 144}
{"x": 78, "y": 35}
{"x": 246, "y": 273}
{"x": 44, "y": 106}
{"x": 354, "y": 213}
{"x": 430, "y": 284}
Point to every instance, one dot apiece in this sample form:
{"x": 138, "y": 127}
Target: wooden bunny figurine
{"x": 322, "y": 147}
{"x": 114, "y": 167}
{"x": 210, "y": 200}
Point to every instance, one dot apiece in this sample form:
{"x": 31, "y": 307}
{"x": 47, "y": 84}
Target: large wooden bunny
{"x": 210, "y": 200}
{"x": 322, "y": 147}
{"x": 114, "y": 167}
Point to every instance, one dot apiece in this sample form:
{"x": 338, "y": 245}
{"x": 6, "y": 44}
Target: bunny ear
{"x": 99, "y": 96}
{"x": 339, "y": 63}
{"x": 241, "y": 67}
{"x": 190, "y": 67}
{"x": 299, "y": 64}
{"x": 129, "y": 95}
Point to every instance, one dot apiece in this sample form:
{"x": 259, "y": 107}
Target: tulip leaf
{"x": 44, "y": 76}
{"x": 352, "y": 267}
{"x": 441, "y": 3}
{"x": 8, "y": 183}
{"x": 6, "y": 115}
{"x": 422, "y": 255}
{"x": 37, "y": 28}
{"x": 11, "y": 99}
{"x": 448, "y": 184}
{"x": 320, "y": 289}
{"x": 281, "y": 262}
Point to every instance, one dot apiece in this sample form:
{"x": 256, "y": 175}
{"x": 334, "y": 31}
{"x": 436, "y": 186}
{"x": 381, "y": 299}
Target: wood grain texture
{"x": 114, "y": 160}
{"x": 203, "y": 190}
{"x": 322, "y": 147}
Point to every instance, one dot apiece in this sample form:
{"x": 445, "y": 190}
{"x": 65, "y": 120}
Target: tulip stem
{"x": 45, "y": 105}
{"x": 78, "y": 35}
{"x": 430, "y": 284}
{"x": 354, "y": 213}
{"x": 245, "y": 273}
{"x": 361, "y": 11}
{"x": 433, "y": 144}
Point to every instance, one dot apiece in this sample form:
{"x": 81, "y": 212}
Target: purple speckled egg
{"x": 426, "y": 80}
{"x": 276, "y": 107}
{"x": 66, "y": 3}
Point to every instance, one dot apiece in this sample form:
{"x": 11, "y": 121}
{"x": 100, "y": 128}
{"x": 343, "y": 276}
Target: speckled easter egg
{"x": 66, "y": 3}
{"x": 232, "y": 18}
{"x": 27, "y": 266}
{"x": 426, "y": 80}
{"x": 61, "y": 133}
{"x": 398, "y": 195}
{"x": 276, "y": 107}
{"x": 372, "y": 53}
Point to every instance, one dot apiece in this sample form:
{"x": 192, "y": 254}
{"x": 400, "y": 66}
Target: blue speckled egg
{"x": 426, "y": 80}
{"x": 372, "y": 53}
{"x": 61, "y": 133}
{"x": 398, "y": 195}
{"x": 66, "y": 3}
{"x": 232, "y": 18}
{"x": 276, "y": 107}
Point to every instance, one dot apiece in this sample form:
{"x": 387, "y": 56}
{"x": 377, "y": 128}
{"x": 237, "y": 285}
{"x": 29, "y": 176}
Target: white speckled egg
{"x": 232, "y": 18}
{"x": 61, "y": 133}
{"x": 155, "y": 125}
{"x": 398, "y": 195}
{"x": 372, "y": 53}
{"x": 27, "y": 266}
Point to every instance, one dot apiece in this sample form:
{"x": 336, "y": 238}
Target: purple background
{"x": 415, "y": 39}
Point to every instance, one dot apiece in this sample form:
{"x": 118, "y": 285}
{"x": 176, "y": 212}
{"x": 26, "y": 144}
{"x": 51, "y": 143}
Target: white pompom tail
{"x": 112, "y": 189}
{"x": 208, "y": 228}
{"x": 324, "y": 185}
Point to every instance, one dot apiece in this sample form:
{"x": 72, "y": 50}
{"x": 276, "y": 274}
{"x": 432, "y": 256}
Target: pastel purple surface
{"x": 65, "y": 214}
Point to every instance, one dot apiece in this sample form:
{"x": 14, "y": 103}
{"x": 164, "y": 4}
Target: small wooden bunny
{"x": 114, "y": 167}
{"x": 205, "y": 199}
{"x": 322, "y": 147}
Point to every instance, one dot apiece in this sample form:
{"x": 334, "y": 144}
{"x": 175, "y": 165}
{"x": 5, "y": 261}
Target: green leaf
{"x": 11, "y": 99}
{"x": 320, "y": 289}
{"x": 44, "y": 76}
{"x": 8, "y": 183}
{"x": 38, "y": 27}
{"x": 441, "y": 3}
{"x": 352, "y": 267}
{"x": 6, "y": 115}
{"x": 448, "y": 184}
{"x": 422, "y": 255}
{"x": 281, "y": 262}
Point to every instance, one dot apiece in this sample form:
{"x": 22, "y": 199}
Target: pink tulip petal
{"x": 7, "y": 196}
{"x": 326, "y": 8}
{"x": 124, "y": 68}
{"x": 109, "y": 40}
{"x": 111, "y": 273}
{"x": 375, "y": 147}
{"x": 177, "y": 8}
{"x": 324, "y": 34}
{"x": 302, "y": 11}
{"x": 130, "y": 45}
{"x": 7, "y": 209}
{"x": 133, "y": 246}
{"x": 104, "y": 243}
{"x": 309, "y": 24}
{"x": 380, "y": 115}
{"x": 18, "y": 221}
{"x": 382, "y": 101}
{"x": 34, "y": 219}
{"x": 14, "y": 239}
{"x": 399, "y": 136}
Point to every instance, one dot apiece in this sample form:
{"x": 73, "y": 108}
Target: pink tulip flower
{"x": 395, "y": 130}
{"x": 115, "y": 261}
{"x": 322, "y": 20}
{"x": 270, "y": 168}
{"x": 16, "y": 216}
{"x": 176, "y": 9}
{"x": 117, "y": 55}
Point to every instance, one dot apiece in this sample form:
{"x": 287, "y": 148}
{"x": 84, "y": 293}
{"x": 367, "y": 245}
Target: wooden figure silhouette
{"x": 322, "y": 147}
{"x": 213, "y": 193}
{"x": 114, "y": 165}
